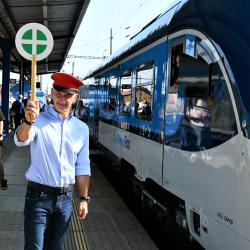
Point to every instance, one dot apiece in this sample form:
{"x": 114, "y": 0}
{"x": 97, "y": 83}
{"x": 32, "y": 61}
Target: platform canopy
{"x": 61, "y": 17}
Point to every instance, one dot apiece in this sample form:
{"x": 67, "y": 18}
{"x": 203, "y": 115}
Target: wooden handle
{"x": 33, "y": 81}
{"x": 33, "y": 78}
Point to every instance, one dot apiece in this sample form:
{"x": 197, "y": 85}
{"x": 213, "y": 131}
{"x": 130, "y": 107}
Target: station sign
{"x": 34, "y": 39}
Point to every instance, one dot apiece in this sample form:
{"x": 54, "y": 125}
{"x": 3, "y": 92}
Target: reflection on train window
{"x": 112, "y": 94}
{"x": 175, "y": 64}
{"x": 200, "y": 114}
{"x": 125, "y": 93}
{"x": 144, "y": 91}
{"x": 223, "y": 123}
{"x": 103, "y": 93}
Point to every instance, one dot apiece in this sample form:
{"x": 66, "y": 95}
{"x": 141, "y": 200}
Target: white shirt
{"x": 59, "y": 149}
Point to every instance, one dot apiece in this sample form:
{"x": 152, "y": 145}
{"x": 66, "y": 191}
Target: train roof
{"x": 223, "y": 21}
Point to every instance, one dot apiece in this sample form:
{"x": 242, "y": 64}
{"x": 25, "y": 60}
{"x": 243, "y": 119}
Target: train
{"x": 172, "y": 108}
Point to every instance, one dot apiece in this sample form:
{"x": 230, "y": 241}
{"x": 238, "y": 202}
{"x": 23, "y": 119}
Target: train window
{"x": 199, "y": 115}
{"x": 112, "y": 95}
{"x": 223, "y": 123}
{"x": 175, "y": 61}
{"x": 103, "y": 92}
{"x": 144, "y": 91}
{"x": 193, "y": 78}
{"x": 125, "y": 93}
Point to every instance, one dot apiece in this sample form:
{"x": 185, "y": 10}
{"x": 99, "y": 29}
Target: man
{"x": 16, "y": 111}
{"x": 4, "y": 185}
{"x": 11, "y": 115}
{"x": 46, "y": 104}
{"x": 59, "y": 145}
{"x": 11, "y": 99}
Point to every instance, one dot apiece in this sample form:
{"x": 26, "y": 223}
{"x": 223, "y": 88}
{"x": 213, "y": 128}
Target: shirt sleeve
{"x": 25, "y": 143}
{"x": 83, "y": 162}
{"x": 1, "y": 116}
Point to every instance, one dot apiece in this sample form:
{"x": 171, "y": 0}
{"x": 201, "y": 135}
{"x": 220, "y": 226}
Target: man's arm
{"x": 23, "y": 131}
{"x": 31, "y": 113}
{"x": 1, "y": 132}
{"x": 82, "y": 182}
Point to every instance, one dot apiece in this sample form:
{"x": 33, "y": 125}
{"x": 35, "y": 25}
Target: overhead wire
{"x": 133, "y": 14}
{"x": 115, "y": 33}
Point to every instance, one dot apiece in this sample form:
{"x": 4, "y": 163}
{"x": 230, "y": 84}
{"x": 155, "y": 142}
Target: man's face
{"x": 63, "y": 101}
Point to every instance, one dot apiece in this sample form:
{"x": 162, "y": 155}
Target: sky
{"x": 125, "y": 18}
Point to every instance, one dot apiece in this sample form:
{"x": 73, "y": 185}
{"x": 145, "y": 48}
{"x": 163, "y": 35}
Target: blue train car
{"x": 173, "y": 106}
{"x": 27, "y": 88}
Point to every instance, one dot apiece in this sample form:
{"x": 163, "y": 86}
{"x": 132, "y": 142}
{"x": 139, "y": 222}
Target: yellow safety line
{"x": 78, "y": 232}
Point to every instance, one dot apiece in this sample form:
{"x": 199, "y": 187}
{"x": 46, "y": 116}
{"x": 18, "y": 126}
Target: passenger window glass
{"x": 144, "y": 91}
{"x": 103, "y": 90}
{"x": 125, "y": 93}
{"x": 175, "y": 63}
{"x": 223, "y": 123}
{"x": 199, "y": 114}
{"x": 112, "y": 94}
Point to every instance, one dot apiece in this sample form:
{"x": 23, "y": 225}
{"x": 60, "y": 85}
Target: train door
{"x": 202, "y": 146}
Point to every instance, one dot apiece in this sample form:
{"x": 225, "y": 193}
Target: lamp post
{"x": 111, "y": 38}
{"x": 73, "y": 66}
{"x": 110, "y": 45}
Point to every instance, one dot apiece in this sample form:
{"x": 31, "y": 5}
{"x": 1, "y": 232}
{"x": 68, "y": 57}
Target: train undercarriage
{"x": 161, "y": 213}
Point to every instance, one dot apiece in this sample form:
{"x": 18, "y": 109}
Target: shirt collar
{"x": 55, "y": 114}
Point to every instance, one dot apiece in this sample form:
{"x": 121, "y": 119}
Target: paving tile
{"x": 12, "y": 199}
{"x": 16, "y": 179}
{"x": 13, "y": 203}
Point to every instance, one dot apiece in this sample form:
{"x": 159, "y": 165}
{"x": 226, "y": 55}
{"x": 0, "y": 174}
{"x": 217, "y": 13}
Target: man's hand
{"x": 31, "y": 111}
{"x": 83, "y": 186}
{"x": 83, "y": 210}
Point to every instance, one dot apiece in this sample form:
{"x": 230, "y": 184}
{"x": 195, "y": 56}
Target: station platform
{"x": 109, "y": 225}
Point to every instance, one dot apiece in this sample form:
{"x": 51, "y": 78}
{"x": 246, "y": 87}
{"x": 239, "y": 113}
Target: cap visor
{"x": 68, "y": 91}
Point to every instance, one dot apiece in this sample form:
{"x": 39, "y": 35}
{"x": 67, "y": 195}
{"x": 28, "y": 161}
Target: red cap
{"x": 66, "y": 83}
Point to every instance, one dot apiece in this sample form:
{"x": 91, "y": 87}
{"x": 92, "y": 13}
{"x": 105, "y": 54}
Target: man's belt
{"x": 49, "y": 189}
